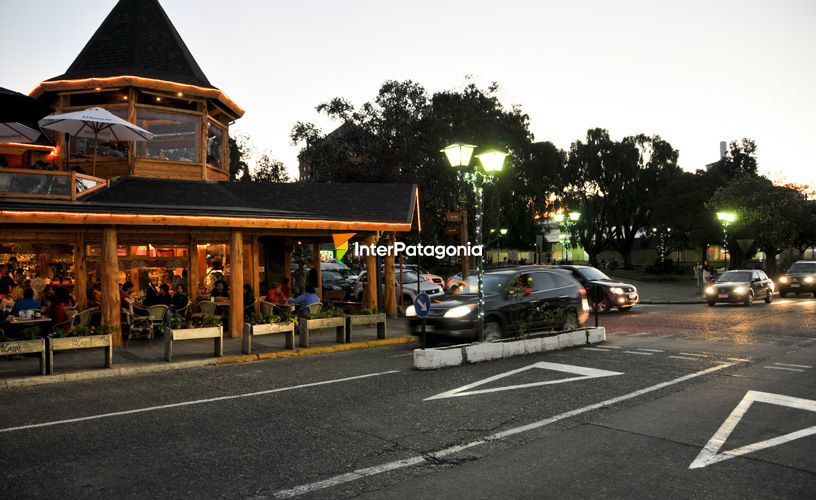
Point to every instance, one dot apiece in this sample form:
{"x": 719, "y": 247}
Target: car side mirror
{"x": 757, "y": 280}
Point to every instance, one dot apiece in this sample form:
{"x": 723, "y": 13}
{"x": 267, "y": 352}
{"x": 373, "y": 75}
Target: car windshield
{"x": 803, "y": 267}
{"x": 330, "y": 276}
{"x": 407, "y": 276}
{"x": 492, "y": 284}
{"x": 592, "y": 274}
{"x": 734, "y": 276}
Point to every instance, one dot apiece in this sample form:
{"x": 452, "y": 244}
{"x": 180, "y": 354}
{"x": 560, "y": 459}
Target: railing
{"x": 49, "y": 184}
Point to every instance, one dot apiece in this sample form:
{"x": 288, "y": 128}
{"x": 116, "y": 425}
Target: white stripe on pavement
{"x": 684, "y": 357}
{"x": 641, "y": 353}
{"x": 650, "y": 350}
{"x": 420, "y": 459}
{"x": 595, "y": 349}
{"x": 783, "y": 368}
{"x": 195, "y": 402}
{"x": 793, "y": 366}
{"x": 694, "y": 354}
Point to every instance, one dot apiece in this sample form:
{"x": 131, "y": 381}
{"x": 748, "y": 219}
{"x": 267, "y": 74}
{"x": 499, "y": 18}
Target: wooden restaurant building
{"x": 164, "y": 209}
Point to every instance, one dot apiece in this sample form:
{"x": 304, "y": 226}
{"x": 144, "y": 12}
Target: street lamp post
{"x": 459, "y": 155}
{"x": 661, "y": 246}
{"x": 726, "y": 219}
{"x": 566, "y": 222}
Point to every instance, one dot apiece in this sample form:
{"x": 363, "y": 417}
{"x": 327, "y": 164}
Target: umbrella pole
{"x": 67, "y": 152}
{"x": 96, "y": 142}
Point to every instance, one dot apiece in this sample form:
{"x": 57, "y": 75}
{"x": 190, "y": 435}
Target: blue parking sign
{"x": 422, "y": 305}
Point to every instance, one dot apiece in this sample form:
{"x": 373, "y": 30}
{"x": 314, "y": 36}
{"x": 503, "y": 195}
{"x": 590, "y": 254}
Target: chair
{"x": 158, "y": 315}
{"x": 138, "y": 327}
{"x": 314, "y": 308}
{"x": 69, "y": 310}
{"x": 86, "y": 316}
{"x": 69, "y": 323}
{"x": 334, "y": 295}
{"x": 207, "y": 308}
{"x": 266, "y": 307}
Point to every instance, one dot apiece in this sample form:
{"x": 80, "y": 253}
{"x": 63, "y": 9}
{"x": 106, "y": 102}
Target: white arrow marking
{"x": 421, "y": 306}
{"x": 710, "y": 452}
{"x": 582, "y": 372}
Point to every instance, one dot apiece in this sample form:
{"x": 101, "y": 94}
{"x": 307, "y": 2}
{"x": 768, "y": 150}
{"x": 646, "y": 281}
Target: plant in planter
{"x": 30, "y": 333}
{"x": 332, "y": 312}
{"x": 366, "y": 317}
{"x": 210, "y": 320}
{"x": 265, "y": 324}
{"x": 81, "y": 337}
{"x": 210, "y": 329}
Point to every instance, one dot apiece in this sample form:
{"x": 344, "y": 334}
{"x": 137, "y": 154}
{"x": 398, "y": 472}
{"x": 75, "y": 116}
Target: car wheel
{"x": 604, "y": 305}
{"x": 570, "y": 320}
{"x": 492, "y": 331}
{"x": 768, "y": 296}
{"x": 711, "y": 304}
{"x": 749, "y": 299}
{"x": 783, "y": 294}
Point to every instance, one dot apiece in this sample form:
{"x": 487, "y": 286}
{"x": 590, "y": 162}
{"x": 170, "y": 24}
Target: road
{"x": 681, "y": 401}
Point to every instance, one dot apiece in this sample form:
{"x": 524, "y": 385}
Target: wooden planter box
{"x": 86, "y": 342}
{"x": 366, "y": 320}
{"x": 210, "y": 332}
{"x": 306, "y": 325}
{"x": 18, "y": 347}
{"x": 268, "y": 329}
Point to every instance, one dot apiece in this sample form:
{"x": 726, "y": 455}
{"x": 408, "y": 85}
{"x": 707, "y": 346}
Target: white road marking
{"x": 401, "y": 355}
{"x": 194, "y": 402}
{"x": 739, "y": 360}
{"x": 641, "y": 353}
{"x": 583, "y": 373}
{"x": 694, "y": 354}
{"x": 684, "y": 357}
{"x": 420, "y": 459}
{"x": 612, "y": 347}
{"x": 596, "y": 349}
{"x": 710, "y": 453}
{"x": 650, "y": 350}
{"x": 783, "y": 368}
{"x": 793, "y": 366}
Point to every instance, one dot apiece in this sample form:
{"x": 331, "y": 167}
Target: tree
{"x": 239, "y": 152}
{"x": 739, "y": 160}
{"x": 269, "y": 170}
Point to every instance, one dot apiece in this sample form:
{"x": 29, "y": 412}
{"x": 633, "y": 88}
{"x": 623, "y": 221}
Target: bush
{"x": 30, "y": 333}
{"x": 210, "y": 320}
{"x": 332, "y": 312}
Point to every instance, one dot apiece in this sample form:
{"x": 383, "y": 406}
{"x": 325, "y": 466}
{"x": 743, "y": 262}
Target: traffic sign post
{"x": 422, "y": 306}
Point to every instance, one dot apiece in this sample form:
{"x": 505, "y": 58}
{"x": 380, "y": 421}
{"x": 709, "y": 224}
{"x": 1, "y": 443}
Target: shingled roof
{"x": 137, "y": 39}
{"x": 374, "y": 203}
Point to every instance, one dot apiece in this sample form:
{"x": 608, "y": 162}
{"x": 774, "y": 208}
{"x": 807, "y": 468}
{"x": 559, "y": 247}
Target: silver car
{"x": 409, "y": 286}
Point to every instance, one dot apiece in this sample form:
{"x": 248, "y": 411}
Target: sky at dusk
{"x": 693, "y": 72}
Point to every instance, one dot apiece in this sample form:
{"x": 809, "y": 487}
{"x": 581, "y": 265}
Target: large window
{"x": 177, "y": 136}
{"x": 215, "y": 144}
{"x": 82, "y": 147}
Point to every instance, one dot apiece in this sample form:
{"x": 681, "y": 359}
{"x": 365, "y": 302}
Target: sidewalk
{"x": 138, "y": 357}
{"x": 666, "y": 292}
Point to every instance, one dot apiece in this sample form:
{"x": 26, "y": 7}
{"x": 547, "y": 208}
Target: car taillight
{"x": 428, "y": 279}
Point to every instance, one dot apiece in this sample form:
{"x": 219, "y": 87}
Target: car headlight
{"x": 740, "y": 290}
{"x": 410, "y": 312}
{"x": 459, "y": 311}
{"x": 783, "y": 279}
{"x": 809, "y": 279}
{"x": 710, "y": 290}
{"x": 616, "y": 290}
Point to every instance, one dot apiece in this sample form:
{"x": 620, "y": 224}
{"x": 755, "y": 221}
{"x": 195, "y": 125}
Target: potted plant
{"x": 29, "y": 341}
{"x": 333, "y": 317}
{"x": 210, "y": 329}
{"x": 266, "y": 324}
{"x": 80, "y": 337}
{"x": 367, "y": 317}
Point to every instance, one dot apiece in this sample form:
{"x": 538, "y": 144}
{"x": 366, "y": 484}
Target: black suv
{"x": 519, "y": 300}
{"x": 742, "y": 286}
{"x": 800, "y": 278}
{"x": 615, "y": 294}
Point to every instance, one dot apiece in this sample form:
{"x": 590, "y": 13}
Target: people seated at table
{"x": 179, "y": 300}
{"x": 151, "y": 295}
{"x": 307, "y": 298}
{"x": 163, "y": 297}
{"x": 286, "y": 290}
{"x": 28, "y": 303}
{"x": 63, "y": 299}
{"x": 6, "y": 281}
{"x": 276, "y": 295}
{"x": 94, "y": 296}
{"x": 220, "y": 290}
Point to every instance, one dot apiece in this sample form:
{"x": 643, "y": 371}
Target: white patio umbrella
{"x": 17, "y": 132}
{"x": 94, "y": 123}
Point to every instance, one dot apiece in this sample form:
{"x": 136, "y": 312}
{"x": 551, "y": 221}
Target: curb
{"x": 443, "y": 357}
{"x": 195, "y": 363}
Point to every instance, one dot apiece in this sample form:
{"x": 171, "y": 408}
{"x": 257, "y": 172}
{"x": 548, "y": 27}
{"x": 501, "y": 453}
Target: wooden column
{"x": 193, "y": 276}
{"x": 390, "y": 293}
{"x": 236, "y": 310}
{"x": 111, "y": 308}
{"x": 256, "y": 270}
{"x": 81, "y": 272}
{"x": 316, "y": 266}
{"x": 287, "y": 259}
{"x": 370, "y": 292}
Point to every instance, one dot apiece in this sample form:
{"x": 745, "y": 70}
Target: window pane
{"x": 215, "y": 144}
{"x": 82, "y": 147}
{"x": 176, "y": 136}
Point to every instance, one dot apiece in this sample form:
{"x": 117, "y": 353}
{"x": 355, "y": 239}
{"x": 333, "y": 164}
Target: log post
{"x": 316, "y": 267}
{"x": 81, "y": 272}
{"x": 236, "y": 310}
{"x": 111, "y": 308}
{"x": 370, "y": 292}
{"x": 256, "y": 270}
{"x": 390, "y": 294}
{"x": 193, "y": 277}
{"x": 287, "y": 260}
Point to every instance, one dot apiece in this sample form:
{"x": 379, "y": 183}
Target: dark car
{"x": 741, "y": 286}
{"x": 800, "y": 278}
{"x": 515, "y": 301}
{"x": 615, "y": 294}
{"x": 332, "y": 280}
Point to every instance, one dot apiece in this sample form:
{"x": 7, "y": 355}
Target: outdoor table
{"x": 14, "y": 320}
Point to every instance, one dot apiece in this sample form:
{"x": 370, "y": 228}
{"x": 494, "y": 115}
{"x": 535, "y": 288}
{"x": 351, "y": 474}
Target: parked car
{"x": 615, "y": 294}
{"x": 332, "y": 280}
{"x": 409, "y": 286}
{"x": 453, "y": 280}
{"x": 522, "y": 299}
{"x": 800, "y": 278}
{"x": 433, "y": 278}
{"x": 340, "y": 268}
{"x": 742, "y": 286}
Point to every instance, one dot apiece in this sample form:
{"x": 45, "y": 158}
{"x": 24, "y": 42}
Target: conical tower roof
{"x": 137, "y": 39}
